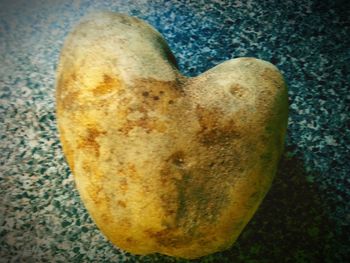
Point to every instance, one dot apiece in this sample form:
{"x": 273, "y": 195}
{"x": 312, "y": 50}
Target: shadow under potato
{"x": 291, "y": 225}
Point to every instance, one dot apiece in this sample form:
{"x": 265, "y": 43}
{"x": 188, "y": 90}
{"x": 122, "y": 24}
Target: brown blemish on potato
{"x": 121, "y": 203}
{"x": 147, "y": 92}
{"x": 198, "y": 190}
{"x": 212, "y": 131}
{"x": 131, "y": 171}
{"x": 107, "y": 219}
{"x": 65, "y": 85}
{"x": 207, "y": 118}
{"x": 129, "y": 240}
{"x": 132, "y": 168}
{"x": 237, "y": 90}
{"x": 177, "y": 158}
{"x": 96, "y": 193}
{"x": 217, "y": 136}
{"x": 146, "y": 123}
{"x": 107, "y": 85}
{"x": 123, "y": 185}
{"x": 87, "y": 168}
{"x": 169, "y": 175}
{"x": 89, "y": 141}
{"x": 74, "y": 76}
{"x": 91, "y": 172}
{"x": 152, "y": 88}
{"x": 70, "y": 99}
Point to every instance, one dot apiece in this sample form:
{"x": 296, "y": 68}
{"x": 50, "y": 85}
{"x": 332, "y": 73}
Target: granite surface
{"x": 306, "y": 215}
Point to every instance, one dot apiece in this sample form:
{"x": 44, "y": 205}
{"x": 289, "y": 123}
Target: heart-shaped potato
{"x": 166, "y": 163}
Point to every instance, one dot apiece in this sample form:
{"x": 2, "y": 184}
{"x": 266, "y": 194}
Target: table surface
{"x": 305, "y": 216}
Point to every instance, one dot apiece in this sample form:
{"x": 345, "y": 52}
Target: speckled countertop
{"x": 306, "y": 215}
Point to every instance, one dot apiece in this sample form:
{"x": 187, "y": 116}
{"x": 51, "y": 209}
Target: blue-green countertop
{"x": 305, "y": 216}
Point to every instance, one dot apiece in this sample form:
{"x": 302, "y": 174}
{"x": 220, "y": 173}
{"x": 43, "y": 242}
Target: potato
{"x": 165, "y": 163}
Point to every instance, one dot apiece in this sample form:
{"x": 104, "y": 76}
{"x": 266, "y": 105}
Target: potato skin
{"x": 166, "y": 163}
